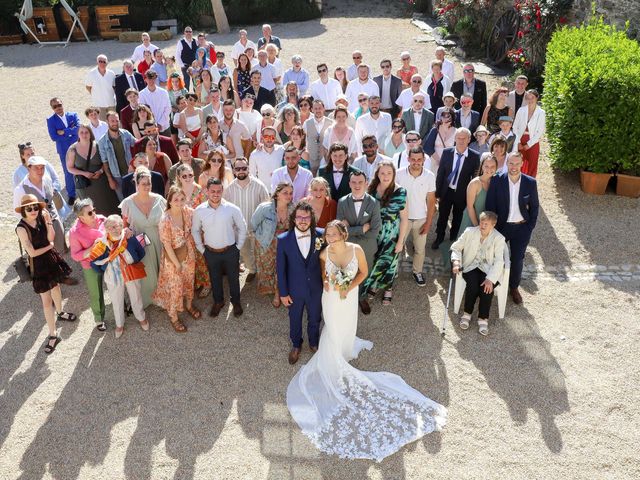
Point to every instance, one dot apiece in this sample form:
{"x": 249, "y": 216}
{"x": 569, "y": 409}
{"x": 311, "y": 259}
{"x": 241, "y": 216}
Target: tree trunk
{"x": 222, "y": 23}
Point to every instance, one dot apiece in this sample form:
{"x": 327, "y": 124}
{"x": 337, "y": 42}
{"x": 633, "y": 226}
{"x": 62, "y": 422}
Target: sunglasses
{"x": 216, "y": 160}
{"x": 412, "y": 140}
{"x": 466, "y": 102}
{"x": 267, "y": 114}
{"x": 241, "y": 169}
{"x": 34, "y": 208}
{"x": 356, "y": 58}
{"x": 362, "y": 100}
{"x": 102, "y": 61}
{"x": 91, "y": 212}
{"x": 385, "y": 66}
{"x": 468, "y": 70}
{"x": 188, "y": 31}
{"x": 23, "y": 146}
{"x": 57, "y": 105}
{"x": 397, "y": 126}
{"x": 186, "y": 176}
{"x": 416, "y": 81}
{"x": 369, "y": 145}
{"x": 269, "y": 137}
{"x": 304, "y": 105}
{"x": 322, "y": 70}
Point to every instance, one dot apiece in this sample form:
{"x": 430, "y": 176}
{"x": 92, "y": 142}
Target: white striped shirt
{"x": 246, "y": 198}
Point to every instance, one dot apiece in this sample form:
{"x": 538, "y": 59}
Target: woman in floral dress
{"x": 395, "y": 224}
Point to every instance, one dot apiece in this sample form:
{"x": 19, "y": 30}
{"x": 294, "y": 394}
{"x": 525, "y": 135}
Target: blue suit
{"x": 517, "y": 234}
{"x": 301, "y": 278}
{"x": 63, "y": 142}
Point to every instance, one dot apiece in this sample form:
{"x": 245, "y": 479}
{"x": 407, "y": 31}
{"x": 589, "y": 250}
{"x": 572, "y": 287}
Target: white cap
{"x": 36, "y": 160}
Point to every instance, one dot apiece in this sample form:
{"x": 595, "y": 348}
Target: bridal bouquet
{"x": 341, "y": 280}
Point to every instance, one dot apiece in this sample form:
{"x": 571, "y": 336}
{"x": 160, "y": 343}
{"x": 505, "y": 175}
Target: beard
{"x": 305, "y": 228}
{"x": 241, "y": 176}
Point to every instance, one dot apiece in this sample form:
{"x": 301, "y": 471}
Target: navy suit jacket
{"x": 498, "y": 199}
{"x": 263, "y": 97}
{"x": 70, "y": 135}
{"x": 468, "y": 171}
{"x": 338, "y": 191}
{"x": 298, "y": 276}
{"x": 394, "y": 92}
{"x": 475, "y": 121}
{"x": 121, "y": 86}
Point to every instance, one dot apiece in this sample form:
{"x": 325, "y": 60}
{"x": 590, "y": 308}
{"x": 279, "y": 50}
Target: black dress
{"x": 49, "y": 268}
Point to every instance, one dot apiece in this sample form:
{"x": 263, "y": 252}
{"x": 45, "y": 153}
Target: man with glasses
{"x": 465, "y": 116}
{"x": 262, "y": 163}
{"x": 418, "y": 117}
{"x": 412, "y": 139}
{"x": 405, "y": 100}
{"x": 157, "y": 99}
{"x": 184, "y": 147}
{"x": 241, "y": 46}
{"x": 374, "y": 122}
{"x": 292, "y": 173}
{"x": 129, "y": 79}
{"x": 186, "y": 54}
{"x": 63, "y": 129}
{"x": 352, "y": 70}
{"x": 246, "y": 192}
{"x": 471, "y": 85}
{"x": 362, "y": 84}
{"x": 315, "y": 128}
{"x": 390, "y": 89}
{"x": 99, "y": 83}
{"x": 371, "y": 157}
{"x": 325, "y": 88}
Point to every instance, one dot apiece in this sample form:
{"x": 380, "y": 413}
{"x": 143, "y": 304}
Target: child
{"x": 449, "y": 100}
{"x": 172, "y": 67}
{"x": 480, "y": 144}
{"x": 119, "y": 258}
{"x": 505, "y": 122}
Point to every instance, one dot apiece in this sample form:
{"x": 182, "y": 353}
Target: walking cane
{"x": 446, "y": 310}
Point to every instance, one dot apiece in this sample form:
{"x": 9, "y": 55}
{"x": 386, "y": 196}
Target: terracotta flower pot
{"x": 628, "y": 185}
{"x": 594, "y": 183}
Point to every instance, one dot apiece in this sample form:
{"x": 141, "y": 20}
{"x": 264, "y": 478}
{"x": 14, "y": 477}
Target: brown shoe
{"x": 237, "y": 310}
{"x": 251, "y": 277}
{"x": 69, "y": 281}
{"x": 294, "y": 355}
{"x": 215, "y": 310}
{"x": 515, "y": 295}
{"x": 313, "y": 349}
{"x": 365, "y": 308}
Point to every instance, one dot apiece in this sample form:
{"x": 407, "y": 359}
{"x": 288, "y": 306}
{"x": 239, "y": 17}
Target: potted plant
{"x": 628, "y": 179}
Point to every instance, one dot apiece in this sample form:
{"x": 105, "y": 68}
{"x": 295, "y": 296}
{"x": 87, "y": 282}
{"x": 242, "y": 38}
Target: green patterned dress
{"x": 385, "y": 265}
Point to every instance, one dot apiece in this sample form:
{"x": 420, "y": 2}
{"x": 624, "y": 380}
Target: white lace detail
{"x": 351, "y": 267}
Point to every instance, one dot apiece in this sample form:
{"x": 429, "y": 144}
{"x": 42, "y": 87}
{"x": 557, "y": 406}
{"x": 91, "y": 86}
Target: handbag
{"x": 24, "y": 263}
{"x": 81, "y": 181}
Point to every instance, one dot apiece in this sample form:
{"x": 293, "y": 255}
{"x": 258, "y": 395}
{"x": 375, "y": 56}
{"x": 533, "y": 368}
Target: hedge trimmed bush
{"x": 591, "y": 98}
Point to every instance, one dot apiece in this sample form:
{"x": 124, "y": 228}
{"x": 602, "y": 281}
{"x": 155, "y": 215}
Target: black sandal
{"x": 102, "y": 327}
{"x": 48, "y": 349}
{"x": 67, "y": 317}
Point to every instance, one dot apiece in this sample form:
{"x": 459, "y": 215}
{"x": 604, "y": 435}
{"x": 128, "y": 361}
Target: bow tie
{"x": 358, "y": 201}
{"x": 338, "y": 171}
{"x": 308, "y": 235}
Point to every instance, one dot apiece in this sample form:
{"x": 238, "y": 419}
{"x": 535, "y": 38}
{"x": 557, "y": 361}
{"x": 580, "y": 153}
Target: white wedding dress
{"x": 348, "y": 412}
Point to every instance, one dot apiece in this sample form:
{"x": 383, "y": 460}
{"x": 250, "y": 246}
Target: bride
{"x": 345, "y": 411}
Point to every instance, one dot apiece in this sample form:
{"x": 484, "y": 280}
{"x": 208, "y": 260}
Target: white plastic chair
{"x": 501, "y": 291}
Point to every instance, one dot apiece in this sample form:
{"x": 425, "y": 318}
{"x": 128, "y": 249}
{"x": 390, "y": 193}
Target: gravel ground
{"x": 551, "y": 392}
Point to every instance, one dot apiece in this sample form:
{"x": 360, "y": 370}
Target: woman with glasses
{"x": 288, "y": 118}
{"x": 441, "y": 136}
{"x": 363, "y": 108}
{"x": 213, "y": 139}
{"x": 268, "y": 114}
{"x": 48, "y": 269}
{"x": 88, "y": 228}
{"x": 141, "y": 115}
{"x": 142, "y": 213}
{"x": 192, "y": 121}
{"x": 497, "y": 108}
{"x": 268, "y": 221}
{"x": 395, "y": 142}
{"x": 215, "y": 167}
{"x": 242, "y": 73}
{"x": 304, "y": 107}
{"x": 85, "y": 164}
{"x": 407, "y": 70}
{"x": 177, "y": 266}
{"x": 299, "y": 140}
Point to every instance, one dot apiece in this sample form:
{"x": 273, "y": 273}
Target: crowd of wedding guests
{"x": 186, "y": 169}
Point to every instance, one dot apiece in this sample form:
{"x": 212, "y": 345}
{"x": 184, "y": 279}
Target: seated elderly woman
{"x": 478, "y": 253}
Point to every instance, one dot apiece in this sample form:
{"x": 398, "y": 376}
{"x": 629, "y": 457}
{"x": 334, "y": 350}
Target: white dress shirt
{"x": 138, "y": 52}
{"x": 300, "y": 182}
{"x": 417, "y": 190}
{"x": 352, "y": 72}
{"x": 367, "y": 125}
{"x": 385, "y": 94}
{"x": 448, "y": 69}
{"x": 262, "y": 164}
{"x": 514, "y": 206}
{"x": 405, "y": 99}
{"x": 355, "y": 88}
{"x": 132, "y": 82}
{"x": 454, "y": 182}
{"x": 304, "y": 241}
{"x": 238, "y": 48}
{"x": 417, "y": 119}
{"x": 327, "y": 92}
{"x": 63, "y": 119}
{"x": 159, "y": 103}
{"x": 268, "y": 74}
{"x": 220, "y": 227}
{"x": 102, "y": 93}
{"x": 357, "y": 204}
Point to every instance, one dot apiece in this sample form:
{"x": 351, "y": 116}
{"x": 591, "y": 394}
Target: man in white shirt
{"x": 405, "y": 100}
{"x": 263, "y": 163}
{"x": 325, "y": 88}
{"x": 186, "y": 54}
{"x": 219, "y": 232}
{"x": 241, "y": 45}
{"x": 362, "y": 84}
{"x": 352, "y": 70}
{"x": 293, "y": 173}
{"x": 390, "y": 89}
{"x": 266, "y": 70}
{"x": 99, "y": 83}
{"x": 420, "y": 183}
{"x": 315, "y": 128}
{"x": 157, "y": 99}
{"x": 246, "y": 192}
{"x": 371, "y": 157}
{"x": 448, "y": 68}
{"x": 138, "y": 52}
{"x": 411, "y": 139}
{"x": 375, "y": 122}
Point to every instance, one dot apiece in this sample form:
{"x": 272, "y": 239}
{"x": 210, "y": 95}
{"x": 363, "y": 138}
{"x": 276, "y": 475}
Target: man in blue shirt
{"x": 297, "y": 74}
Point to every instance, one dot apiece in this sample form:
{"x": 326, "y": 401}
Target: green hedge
{"x": 591, "y": 98}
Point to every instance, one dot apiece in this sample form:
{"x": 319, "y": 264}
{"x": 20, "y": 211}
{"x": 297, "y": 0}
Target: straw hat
{"x": 30, "y": 199}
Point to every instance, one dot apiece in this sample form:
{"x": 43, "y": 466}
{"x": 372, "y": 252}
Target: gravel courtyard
{"x": 552, "y": 392}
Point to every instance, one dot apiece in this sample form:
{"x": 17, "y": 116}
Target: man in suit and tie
{"x": 63, "y": 129}
{"x": 471, "y": 85}
{"x": 417, "y": 117}
{"x": 465, "y": 116}
{"x": 458, "y": 165}
{"x": 337, "y": 171}
{"x": 390, "y": 89}
{"x": 360, "y": 213}
{"x": 514, "y": 197}
{"x": 129, "y": 78}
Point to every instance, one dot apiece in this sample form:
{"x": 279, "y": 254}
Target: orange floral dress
{"x": 202, "y": 279}
{"x": 174, "y": 285}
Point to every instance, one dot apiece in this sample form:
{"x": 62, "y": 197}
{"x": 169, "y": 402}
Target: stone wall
{"x": 615, "y": 12}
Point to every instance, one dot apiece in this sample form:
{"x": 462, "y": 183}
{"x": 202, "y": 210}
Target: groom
{"x": 299, "y": 277}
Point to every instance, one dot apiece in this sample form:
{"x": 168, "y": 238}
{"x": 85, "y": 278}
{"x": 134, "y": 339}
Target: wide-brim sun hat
{"x": 29, "y": 199}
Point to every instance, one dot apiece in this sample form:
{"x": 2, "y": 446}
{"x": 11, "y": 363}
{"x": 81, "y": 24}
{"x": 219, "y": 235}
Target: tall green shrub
{"x": 591, "y": 86}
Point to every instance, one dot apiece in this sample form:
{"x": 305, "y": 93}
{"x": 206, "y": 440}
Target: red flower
{"x": 538, "y": 26}
{"x": 520, "y": 34}
{"x": 527, "y": 63}
{"x": 441, "y": 11}
{"x": 562, "y": 20}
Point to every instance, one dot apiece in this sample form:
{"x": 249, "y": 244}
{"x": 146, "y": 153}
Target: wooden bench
{"x": 109, "y": 19}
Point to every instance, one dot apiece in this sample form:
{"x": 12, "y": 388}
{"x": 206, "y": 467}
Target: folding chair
{"x": 26, "y": 12}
